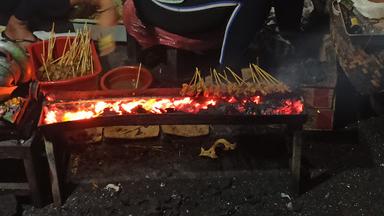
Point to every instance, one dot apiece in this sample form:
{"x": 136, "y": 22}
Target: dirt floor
{"x": 346, "y": 176}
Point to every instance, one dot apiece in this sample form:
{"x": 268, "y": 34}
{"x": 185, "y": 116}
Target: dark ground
{"x": 165, "y": 176}
{"x": 252, "y": 180}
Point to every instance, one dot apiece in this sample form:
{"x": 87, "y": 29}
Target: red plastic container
{"x": 125, "y": 77}
{"x": 87, "y": 82}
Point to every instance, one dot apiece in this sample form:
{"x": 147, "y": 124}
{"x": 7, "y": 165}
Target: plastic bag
{"x": 371, "y": 10}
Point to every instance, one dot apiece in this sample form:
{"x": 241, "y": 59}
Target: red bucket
{"x": 86, "y": 82}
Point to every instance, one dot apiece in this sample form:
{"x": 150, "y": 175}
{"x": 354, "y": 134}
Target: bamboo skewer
{"x": 267, "y": 74}
{"x": 138, "y": 76}
{"x": 237, "y": 78}
{"x": 262, "y": 77}
{"x": 262, "y": 84}
{"x": 46, "y": 70}
{"x": 238, "y": 82}
{"x": 214, "y": 75}
{"x": 75, "y": 60}
{"x": 193, "y": 78}
{"x": 224, "y": 78}
{"x": 210, "y": 72}
{"x": 218, "y": 81}
{"x": 65, "y": 48}
{"x": 254, "y": 76}
{"x": 225, "y": 74}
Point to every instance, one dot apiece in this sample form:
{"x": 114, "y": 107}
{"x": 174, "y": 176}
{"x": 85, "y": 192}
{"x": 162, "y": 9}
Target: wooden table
{"x": 25, "y": 150}
{"x": 54, "y": 136}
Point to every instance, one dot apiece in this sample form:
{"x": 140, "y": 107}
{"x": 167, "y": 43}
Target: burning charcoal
{"x": 139, "y": 109}
{"x": 170, "y": 110}
{"x": 251, "y": 109}
{"x": 232, "y": 109}
{"x": 222, "y": 108}
{"x": 108, "y": 112}
{"x": 208, "y": 111}
{"x": 278, "y": 104}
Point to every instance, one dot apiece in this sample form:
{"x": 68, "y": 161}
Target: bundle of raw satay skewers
{"x": 75, "y": 61}
{"x": 228, "y": 83}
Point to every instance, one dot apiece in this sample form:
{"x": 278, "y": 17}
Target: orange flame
{"x": 78, "y": 110}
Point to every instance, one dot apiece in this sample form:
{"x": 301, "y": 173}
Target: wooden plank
{"x": 14, "y": 186}
{"x": 15, "y": 149}
{"x": 8, "y": 143}
{"x": 85, "y": 136}
{"x": 296, "y": 161}
{"x": 29, "y": 165}
{"x": 172, "y": 119}
{"x": 55, "y": 186}
{"x": 186, "y": 130}
{"x": 131, "y": 132}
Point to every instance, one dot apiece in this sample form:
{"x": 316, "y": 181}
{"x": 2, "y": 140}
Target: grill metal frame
{"x": 52, "y": 132}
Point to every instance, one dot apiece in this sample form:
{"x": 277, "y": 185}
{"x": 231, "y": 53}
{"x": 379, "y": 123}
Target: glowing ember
{"x": 290, "y": 106}
{"x": 87, "y": 109}
{"x": 73, "y": 116}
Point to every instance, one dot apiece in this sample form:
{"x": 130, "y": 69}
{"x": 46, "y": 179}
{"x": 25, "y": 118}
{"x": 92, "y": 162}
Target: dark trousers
{"x": 242, "y": 20}
{"x": 28, "y": 9}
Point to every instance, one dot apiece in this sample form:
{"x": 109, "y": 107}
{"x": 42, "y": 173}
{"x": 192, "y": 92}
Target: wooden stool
{"x": 23, "y": 150}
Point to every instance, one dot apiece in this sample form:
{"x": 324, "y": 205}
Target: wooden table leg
{"x": 55, "y": 185}
{"x": 29, "y": 165}
{"x": 296, "y": 161}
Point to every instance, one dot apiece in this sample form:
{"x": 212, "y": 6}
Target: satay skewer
{"x": 237, "y": 78}
{"x": 224, "y": 78}
{"x": 138, "y": 76}
{"x": 270, "y": 77}
{"x": 264, "y": 77}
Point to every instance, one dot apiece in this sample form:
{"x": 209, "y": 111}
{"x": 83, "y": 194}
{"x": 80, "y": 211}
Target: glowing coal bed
{"x": 65, "y": 111}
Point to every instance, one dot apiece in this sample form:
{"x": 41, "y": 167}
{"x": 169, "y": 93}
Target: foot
{"x": 107, "y": 14}
{"x": 18, "y": 32}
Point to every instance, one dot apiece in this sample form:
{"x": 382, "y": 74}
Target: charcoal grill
{"x": 51, "y": 130}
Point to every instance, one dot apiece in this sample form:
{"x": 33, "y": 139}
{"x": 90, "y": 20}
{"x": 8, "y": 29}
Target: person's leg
{"x": 107, "y": 14}
{"x": 188, "y": 18}
{"x": 17, "y": 26}
{"x": 246, "y": 20}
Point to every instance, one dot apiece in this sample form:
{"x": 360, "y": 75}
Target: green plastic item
{"x": 9, "y": 76}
